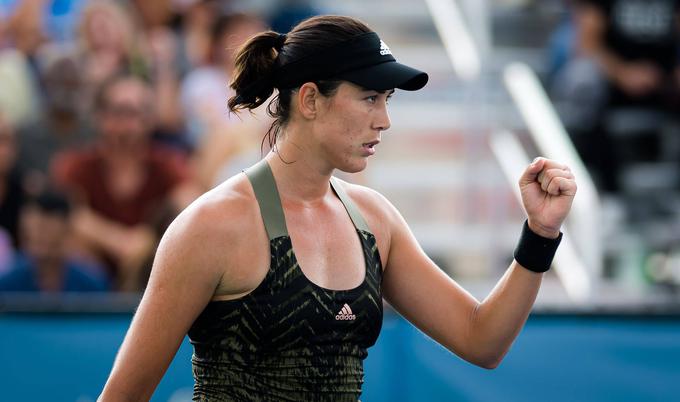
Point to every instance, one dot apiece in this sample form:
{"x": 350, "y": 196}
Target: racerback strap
{"x": 351, "y": 208}
{"x": 264, "y": 186}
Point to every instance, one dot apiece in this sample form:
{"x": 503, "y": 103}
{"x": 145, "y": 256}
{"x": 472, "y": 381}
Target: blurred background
{"x": 113, "y": 118}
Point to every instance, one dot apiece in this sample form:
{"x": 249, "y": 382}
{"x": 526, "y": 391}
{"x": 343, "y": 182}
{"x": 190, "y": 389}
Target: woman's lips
{"x": 369, "y": 147}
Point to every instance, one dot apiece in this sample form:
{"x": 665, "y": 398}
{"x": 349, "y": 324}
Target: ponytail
{"x": 255, "y": 62}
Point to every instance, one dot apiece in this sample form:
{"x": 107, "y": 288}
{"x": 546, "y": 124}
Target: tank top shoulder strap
{"x": 264, "y": 186}
{"x": 351, "y": 208}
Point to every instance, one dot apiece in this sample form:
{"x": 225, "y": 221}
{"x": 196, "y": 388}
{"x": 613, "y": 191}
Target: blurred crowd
{"x": 113, "y": 118}
{"x": 615, "y": 79}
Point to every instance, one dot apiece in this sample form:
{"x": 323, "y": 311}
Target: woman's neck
{"x": 301, "y": 176}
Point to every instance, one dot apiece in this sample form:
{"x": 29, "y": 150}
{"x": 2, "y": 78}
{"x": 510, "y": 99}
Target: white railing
{"x": 553, "y": 142}
{"x": 459, "y": 45}
{"x": 579, "y": 261}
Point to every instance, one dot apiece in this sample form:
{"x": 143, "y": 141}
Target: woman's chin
{"x": 354, "y": 167}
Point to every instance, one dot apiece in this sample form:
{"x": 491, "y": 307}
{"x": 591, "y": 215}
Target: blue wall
{"x": 556, "y": 358}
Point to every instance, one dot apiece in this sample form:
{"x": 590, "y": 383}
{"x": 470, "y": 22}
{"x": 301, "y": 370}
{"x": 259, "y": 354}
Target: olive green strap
{"x": 351, "y": 208}
{"x": 264, "y": 186}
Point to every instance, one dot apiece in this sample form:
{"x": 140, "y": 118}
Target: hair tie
{"x": 279, "y": 41}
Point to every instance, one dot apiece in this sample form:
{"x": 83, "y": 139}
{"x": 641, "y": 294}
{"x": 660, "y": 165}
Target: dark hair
{"x": 259, "y": 57}
{"x": 51, "y": 202}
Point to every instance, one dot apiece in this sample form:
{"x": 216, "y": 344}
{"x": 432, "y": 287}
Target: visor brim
{"x": 386, "y": 76}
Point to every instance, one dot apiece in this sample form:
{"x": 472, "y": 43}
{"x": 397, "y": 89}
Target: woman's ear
{"x": 308, "y": 97}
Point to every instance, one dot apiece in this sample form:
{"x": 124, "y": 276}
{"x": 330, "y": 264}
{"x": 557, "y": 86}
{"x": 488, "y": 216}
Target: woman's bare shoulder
{"x": 368, "y": 200}
{"x": 380, "y": 215}
{"x": 217, "y": 217}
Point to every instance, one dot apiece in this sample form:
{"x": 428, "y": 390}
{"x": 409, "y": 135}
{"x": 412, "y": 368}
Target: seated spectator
{"x": 106, "y": 40}
{"x": 163, "y": 59}
{"x": 12, "y": 194}
{"x": 625, "y": 56}
{"x": 62, "y": 125}
{"x": 225, "y": 144}
{"x": 196, "y": 21}
{"x": 44, "y": 264}
{"x": 125, "y": 187}
{"x": 114, "y": 39}
{"x": 205, "y": 90}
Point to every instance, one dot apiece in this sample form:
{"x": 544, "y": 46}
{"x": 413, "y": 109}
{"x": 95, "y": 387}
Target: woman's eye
{"x": 372, "y": 99}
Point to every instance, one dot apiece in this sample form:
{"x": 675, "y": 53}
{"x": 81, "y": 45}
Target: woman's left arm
{"x": 481, "y": 333}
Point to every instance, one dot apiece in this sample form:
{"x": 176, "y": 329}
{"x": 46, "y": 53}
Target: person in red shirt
{"x": 125, "y": 186}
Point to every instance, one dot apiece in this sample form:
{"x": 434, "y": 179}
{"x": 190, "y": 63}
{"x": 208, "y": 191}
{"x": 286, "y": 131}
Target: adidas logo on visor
{"x": 384, "y": 49}
{"x": 345, "y": 314}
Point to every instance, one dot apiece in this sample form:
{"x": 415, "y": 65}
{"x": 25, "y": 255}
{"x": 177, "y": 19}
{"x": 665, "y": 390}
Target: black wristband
{"x": 535, "y": 252}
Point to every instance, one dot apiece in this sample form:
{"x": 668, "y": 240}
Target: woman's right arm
{"x": 183, "y": 280}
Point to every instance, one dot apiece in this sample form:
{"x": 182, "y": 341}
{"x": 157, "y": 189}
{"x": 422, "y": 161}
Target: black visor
{"x": 385, "y": 76}
{"x": 364, "y": 60}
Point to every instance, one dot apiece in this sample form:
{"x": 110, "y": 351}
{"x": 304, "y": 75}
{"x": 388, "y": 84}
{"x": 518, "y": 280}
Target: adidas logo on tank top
{"x": 345, "y": 314}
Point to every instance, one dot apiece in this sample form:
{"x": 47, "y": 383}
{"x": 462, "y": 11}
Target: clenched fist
{"x": 548, "y": 189}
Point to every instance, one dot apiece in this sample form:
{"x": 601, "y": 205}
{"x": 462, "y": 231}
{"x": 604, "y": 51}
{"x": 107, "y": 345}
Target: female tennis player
{"x": 278, "y": 275}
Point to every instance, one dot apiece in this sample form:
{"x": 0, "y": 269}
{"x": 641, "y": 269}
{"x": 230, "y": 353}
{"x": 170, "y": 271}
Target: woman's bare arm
{"x": 481, "y": 333}
{"x": 184, "y": 277}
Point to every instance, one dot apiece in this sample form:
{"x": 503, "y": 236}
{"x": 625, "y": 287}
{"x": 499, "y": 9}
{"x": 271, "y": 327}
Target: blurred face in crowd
{"x": 7, "y": 147}
{"x": 233, "y": 37}
{"x": 25, "y": 26}
{"x": 200, "y": 15}
{"x": 63, "y": 85}
{"x": 106, "y": 26}
{"x": 154, "y": 13}
{"x": 125, "y": 118}
{"x": 43, "y": 234}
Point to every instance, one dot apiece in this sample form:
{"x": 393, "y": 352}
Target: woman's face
{"x": 349, "y": 124}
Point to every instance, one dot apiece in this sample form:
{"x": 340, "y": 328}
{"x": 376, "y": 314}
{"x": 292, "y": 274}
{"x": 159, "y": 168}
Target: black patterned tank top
{"x": 289, "y": 339}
